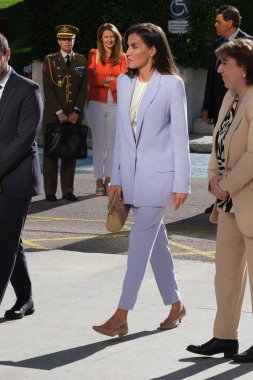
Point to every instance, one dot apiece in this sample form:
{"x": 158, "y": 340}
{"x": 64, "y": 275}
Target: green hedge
{"x": 18, "y": 33}
{"x": 87, "y": 15}
{"x": 191, "y": 49}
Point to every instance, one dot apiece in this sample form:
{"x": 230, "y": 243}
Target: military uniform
{"x": 64, "y": 89}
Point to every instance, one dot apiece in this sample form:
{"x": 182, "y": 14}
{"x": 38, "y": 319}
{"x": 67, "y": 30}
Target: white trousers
{"x": 148, "y": 242}
{"x": 102, "y": 120}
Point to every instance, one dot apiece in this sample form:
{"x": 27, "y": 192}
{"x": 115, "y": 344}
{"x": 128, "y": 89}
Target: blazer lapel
{"x": 7, "y": 94}
{"x": 236, "y": 121}
{"x": 127, "y": 96}
{"x": 149, "y": 95}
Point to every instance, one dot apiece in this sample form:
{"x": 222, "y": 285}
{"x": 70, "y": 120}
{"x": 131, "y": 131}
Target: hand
{"x": 62, "y": 118}
{"x": 115, "y": 189}
{"x": 110, "y": 79}
{"x": 205, "y": 117}
{"x": 215, "y": 188}
{"x": 73, "y": 117}
{"x": 178, "y": 199}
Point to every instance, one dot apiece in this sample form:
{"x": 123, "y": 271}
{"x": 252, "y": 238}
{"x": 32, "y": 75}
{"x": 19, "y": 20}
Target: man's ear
{"x": 229, "y": 23}
{"x": 8, "y": 54}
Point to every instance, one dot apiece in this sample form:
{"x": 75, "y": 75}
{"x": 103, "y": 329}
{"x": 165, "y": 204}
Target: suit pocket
{"x": 164, "y": 167}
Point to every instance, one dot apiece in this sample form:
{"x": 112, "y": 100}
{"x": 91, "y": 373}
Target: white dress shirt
{"x": 4, "y": 81}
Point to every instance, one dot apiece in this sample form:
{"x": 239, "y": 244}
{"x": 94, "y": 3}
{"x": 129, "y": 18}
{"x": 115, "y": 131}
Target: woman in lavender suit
{"x": 151, "y": 167}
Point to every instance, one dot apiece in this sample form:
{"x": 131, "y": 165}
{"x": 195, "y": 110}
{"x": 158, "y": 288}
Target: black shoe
{"x": 216, "y": 346}
{"x": 209, "y": 210}
{"x": 19, "y": 310}
{"x": 51, "y": 198}
{"x": 244, "y": 357}
{"x": 70, "y": 197}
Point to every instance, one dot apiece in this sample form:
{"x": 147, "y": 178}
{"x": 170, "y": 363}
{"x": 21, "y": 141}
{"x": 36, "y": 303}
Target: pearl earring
{"x": 244, "y": 75}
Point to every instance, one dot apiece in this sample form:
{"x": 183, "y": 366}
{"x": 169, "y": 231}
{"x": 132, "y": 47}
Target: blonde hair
{"x": 117, "y": 50}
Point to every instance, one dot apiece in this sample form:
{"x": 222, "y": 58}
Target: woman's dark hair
{"x": 117, "y": 50}
{"x": 230, "y": 13}
{"x": 153, "y": 35}
{"x": 241, "y": 49}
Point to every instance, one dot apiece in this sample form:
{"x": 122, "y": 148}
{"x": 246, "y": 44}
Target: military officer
{"x": 65, "y": 86}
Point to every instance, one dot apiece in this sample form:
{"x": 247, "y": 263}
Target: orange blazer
{"x": 97, "y": 74}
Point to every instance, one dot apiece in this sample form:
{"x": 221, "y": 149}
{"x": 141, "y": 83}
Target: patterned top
{"x": 226, "y": 205}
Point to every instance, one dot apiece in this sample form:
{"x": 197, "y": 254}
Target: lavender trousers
{"x": 148, "y": 242}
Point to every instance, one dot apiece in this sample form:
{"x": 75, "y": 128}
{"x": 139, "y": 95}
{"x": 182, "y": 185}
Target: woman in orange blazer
{"x": 105, "y": 64}
{"x": 230, "y": 175}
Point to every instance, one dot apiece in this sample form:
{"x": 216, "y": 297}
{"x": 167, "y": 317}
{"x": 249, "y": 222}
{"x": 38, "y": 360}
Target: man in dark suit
{"x": 65, "y": 87}
{"x": 20, "y": 118}
{"x": 227, "y": 22}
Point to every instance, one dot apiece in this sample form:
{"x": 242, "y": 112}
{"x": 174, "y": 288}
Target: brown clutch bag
{"x": 117, "y": 214}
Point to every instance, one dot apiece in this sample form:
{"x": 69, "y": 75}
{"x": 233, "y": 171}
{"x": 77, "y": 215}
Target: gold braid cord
{"x": 62, "y": 82}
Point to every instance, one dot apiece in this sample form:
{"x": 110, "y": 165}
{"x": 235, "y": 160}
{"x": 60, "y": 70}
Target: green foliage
{"x": 246, "y": 10}
{"x": 192, "y": 49}
{"x": 18, "y": 34}
{"x": 87, "y": 15}
{"x": 8, "y": 3}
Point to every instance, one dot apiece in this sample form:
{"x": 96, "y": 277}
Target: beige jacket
{"x": 238, "y": 149}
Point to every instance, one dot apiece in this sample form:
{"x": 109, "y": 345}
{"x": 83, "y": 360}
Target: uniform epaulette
{"x": 79, "y": 55}
{"x": 51, "y": 55}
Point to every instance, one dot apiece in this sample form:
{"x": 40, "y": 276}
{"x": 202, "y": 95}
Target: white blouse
{"x": 138, "y": 93}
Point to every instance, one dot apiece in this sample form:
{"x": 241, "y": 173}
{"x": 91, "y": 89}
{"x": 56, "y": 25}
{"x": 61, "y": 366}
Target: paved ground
{"x": 77, "y": 270}
{"x": 81, "y": 226}
{"x": 74, "y": 290}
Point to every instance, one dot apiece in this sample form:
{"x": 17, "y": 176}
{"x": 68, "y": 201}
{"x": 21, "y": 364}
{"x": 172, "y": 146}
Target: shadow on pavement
{"x": 42, "y": 205}
{"x": 71, "y": 355}
{"x": 201, "y": 364}
{"x": 109, "y": 243}
{"x": 197, "y": 224}
{"x": 116, "y": 243}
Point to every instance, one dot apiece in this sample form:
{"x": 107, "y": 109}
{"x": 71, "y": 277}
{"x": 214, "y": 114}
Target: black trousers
{"x": 13, "y": 266}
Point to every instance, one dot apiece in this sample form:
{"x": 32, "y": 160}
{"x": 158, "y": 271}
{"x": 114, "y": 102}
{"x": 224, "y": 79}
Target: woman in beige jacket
{"x": 230, "y": 175}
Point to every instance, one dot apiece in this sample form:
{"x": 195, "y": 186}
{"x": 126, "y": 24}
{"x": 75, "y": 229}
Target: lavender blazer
{"x": 155, "y": 164}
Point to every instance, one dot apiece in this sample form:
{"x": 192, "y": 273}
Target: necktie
{"x": 68, "y": 60}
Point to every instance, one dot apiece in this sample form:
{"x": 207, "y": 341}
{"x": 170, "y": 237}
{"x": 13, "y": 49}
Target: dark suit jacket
{"x": 20, "y": 119}
{"x": 215, "y": 89}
